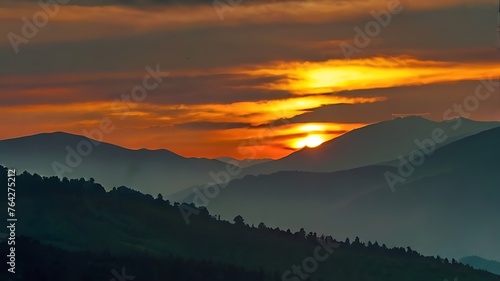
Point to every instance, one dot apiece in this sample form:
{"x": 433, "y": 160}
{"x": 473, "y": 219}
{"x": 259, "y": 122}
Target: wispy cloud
{"x": 378, "y": 72}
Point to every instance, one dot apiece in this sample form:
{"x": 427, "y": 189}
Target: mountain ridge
{"x": 373, "y": 144}
{"x": 59, "y": 154}
{"x": 360, "y": 200}
{"x": 124, "y": 226}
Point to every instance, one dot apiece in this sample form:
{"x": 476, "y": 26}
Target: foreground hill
{"x": 153, "y": 171}
{"x": 42, "y": 262}
{"x": 448, "y": 205}
{"x": 103, "y": 231}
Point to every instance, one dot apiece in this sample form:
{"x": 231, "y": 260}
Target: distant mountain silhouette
{"x": 448, "y": 206}
{"x": 245, "y": 163}
{"x": 480, "y": 263}
{"x": 162, "y": 171}
{"x": 151, "y": 171}
{"x": 372, "y": 144}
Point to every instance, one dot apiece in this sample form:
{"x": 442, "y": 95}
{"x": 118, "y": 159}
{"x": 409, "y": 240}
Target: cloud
{"x": 173, "y": 14}
{"x": 178, "y": 88}
{"x": 104, "y": 39}
{"x": 229, "y": 79}
{"x": 146, "y": 3}
{"x": 211, "y": 125}
{"x": 377, "y": 72}
{"x": 188, "y": 128}
{"x": 432, "y": 98}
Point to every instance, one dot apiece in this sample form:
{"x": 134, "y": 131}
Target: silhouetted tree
{"x": 301, "y": 233}
{"x": 311, "y": 237}
{"x": 204, "y": 212}
{"x": 159, "y": 197}
{"x": 347, "y": 242}
{"x": 238, "y": 220}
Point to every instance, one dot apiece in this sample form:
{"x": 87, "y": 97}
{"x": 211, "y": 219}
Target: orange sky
{"x": 257, "y": 84}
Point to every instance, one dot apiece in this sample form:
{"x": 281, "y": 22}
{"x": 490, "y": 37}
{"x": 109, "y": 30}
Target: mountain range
{"x": 151, "y": 171}
{"x": 372, "y": 144}
{"x": 75, "y": 230}
{"x": 444, "y": 204}
{"x": 447, "y": 205}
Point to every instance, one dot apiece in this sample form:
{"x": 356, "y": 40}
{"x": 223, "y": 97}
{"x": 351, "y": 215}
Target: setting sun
{"x": 310, "y": 141}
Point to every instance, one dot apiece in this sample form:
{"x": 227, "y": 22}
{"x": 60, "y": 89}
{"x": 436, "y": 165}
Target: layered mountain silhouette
{"x": 373, "y": 144}
{"x": 244, "y": 163}
{"x": 151, "y": 171}
{"x": 75, "y": 230}
{"x": 480, "y": 263}
{"x": 162, "y": 171}
{"x": 447, "y": 205}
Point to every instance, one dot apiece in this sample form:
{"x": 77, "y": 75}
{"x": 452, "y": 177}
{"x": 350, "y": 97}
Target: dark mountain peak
{"x": 384, "y": 128}
{"x": 375, "y": 143}
{"x": 156, "y": 152}
{"x": 75, "y": 156}
{"x": 44, "y": 141}
{"x": 62, "y": 139}
{"x": 409, "y": 118}
{"x": 59, "y": 135}
{"x": 405, "y": 121}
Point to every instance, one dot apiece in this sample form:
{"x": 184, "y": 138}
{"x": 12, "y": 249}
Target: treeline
{"x": 40, "y": 187}
{"x": 95, "y": 231}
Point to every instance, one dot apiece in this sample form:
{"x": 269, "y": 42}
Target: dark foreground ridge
{"x": 75, "y": 230}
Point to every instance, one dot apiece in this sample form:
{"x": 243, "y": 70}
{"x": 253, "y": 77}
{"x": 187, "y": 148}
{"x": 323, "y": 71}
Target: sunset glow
{"x": 224, "y": 139}
{"x": 310, "y": 141}
{"x": 265, "y": 80}
{"x": 381, "y": 72}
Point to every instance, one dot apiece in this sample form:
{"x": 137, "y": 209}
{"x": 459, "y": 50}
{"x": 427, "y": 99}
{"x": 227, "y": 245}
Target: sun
{"x": 310, "y": 141}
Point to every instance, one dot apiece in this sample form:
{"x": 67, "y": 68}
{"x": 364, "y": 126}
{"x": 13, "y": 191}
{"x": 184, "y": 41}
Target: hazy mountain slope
{"x": 125, "y": 225}
{"x": 244, "y": 163}
{"x": 480, "y": 263}
{"x": 153, "y": 171}
{"x": 449, "y": 206}
{"x": 475, "y": 154}
{"x": 370, "y": 145}
{"x": 161, "y": 171}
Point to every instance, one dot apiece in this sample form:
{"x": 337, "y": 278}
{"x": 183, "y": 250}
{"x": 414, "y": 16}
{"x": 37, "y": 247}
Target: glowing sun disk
{"x": 310, "y": 141}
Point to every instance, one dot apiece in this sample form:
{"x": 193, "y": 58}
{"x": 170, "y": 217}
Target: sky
{"x": 229, "y": 77}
